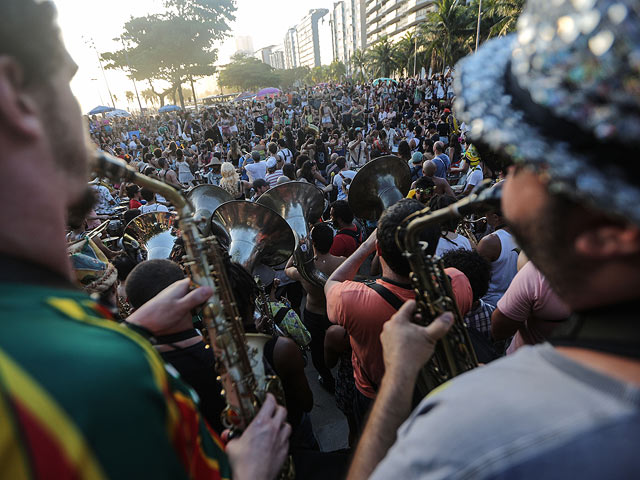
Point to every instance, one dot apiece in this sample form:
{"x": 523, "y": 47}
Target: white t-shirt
{"x": 154, "y": 207}
{"x": 474, "y": 177}
{"x": 256, "y": 170}
{"x": 286, "y": 155}
{"x": 337, "y": 181}
{"x": 446, "y": 245}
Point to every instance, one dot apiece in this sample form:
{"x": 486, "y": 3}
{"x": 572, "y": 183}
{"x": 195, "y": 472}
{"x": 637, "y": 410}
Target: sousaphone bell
{"x": 300, "y": 204}
{"x": 205, "y": 199}
{"x": 378, "y": 185}
{"x": 255, "y": 233}
{"x": 156, "y": 234}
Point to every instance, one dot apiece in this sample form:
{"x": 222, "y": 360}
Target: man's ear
{"x": 18, "y": 107}
{"x": 610, "y": 240}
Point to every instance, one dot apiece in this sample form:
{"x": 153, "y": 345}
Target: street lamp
{"x": 89, "y": 41}
{"x": 478, "y": 27}
{"x": 126, "y": 54}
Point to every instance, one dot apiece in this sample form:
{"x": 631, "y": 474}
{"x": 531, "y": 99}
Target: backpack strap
{"x": 280, "y": 314}
{"x": 350, "y": 233}
{"x": 390, "y": 297}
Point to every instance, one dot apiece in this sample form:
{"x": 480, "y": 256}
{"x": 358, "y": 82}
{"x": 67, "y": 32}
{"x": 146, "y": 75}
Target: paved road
{"x": 329, "y": 423}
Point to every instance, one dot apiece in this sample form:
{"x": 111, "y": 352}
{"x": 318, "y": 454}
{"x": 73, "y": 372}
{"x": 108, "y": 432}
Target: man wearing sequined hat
{"x": 555, "y": 98}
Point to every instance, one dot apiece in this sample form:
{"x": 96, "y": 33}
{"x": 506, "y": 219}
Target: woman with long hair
{"x": 234, "y": 152}
{"x": 231, "y": 182}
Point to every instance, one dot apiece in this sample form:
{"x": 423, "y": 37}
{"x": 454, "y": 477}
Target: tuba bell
{"x": 155, "y": 233}
{"x": 378, "y": 185}
{"x": 300, "y": 204}
{"x": 205, "y": 199}
{"x": 255, "y": 233}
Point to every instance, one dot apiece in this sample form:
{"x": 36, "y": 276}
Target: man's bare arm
{"x": 349, "y": 268}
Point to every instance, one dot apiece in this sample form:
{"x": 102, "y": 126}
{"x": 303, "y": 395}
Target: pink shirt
{"x": 530, "y": 300}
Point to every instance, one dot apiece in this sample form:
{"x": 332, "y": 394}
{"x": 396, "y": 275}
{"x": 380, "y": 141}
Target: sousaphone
{"x": 255, "y": 233}
{"x": 300, "y": 204}
{"x": 378, "y": 185}
{"x": 205, "y": 199}
{"x": 155, "y": 233}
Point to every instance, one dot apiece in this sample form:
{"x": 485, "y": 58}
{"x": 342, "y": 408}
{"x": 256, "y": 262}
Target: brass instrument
{"x": 263, "y": 309}
{"x": 255, "y": 233}
{"x": 156, "y": 233}
{"x": 300, "y": 204}
{"x": 205, "y": 199}
{"x": 378, "y": 185}
{"x": 245, "y": 382}
{"x": 454, "y": 354}
{"x": 464, "y": 228}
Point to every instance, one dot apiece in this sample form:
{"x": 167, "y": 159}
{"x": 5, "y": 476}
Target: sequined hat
{"x": 563, "y": 94}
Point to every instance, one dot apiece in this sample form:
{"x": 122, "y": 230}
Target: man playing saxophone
{"x": 82, "y": 397}
{"x": 556, "y": 98}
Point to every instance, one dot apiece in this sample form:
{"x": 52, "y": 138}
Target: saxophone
{"x": 241, "y": 373}
{"x": 454, "y": 354}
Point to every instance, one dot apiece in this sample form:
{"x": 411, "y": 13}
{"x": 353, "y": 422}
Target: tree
{"x": 382, "y": 58}
{"x": 129, "y": 96}
{"x": 291, "y": 77}
{"x": 247, "y": 73}
{"x": 503, "y": 14}
{"x": 174, "y": 46}
{"x": 148, "y": 96}
{"x": 404, "y": 53}
{"x": 448, "y": 33}
{"x": 359, "y": 61}
{"x": 337, "y": 70}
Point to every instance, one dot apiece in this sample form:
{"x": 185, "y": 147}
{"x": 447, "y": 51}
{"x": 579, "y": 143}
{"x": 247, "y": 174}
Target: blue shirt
{"x": 442, "y": 165}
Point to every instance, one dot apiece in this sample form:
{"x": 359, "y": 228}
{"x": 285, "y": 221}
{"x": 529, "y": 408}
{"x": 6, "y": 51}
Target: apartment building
{"x": 308, "y": 38}
{"x": 393, "y": 18}
{"x": 348, "y": 29}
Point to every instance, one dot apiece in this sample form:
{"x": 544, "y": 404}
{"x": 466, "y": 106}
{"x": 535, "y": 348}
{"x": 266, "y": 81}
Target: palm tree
{"x": 448, "y": 33}
{"x": 504, "y": 14}
{"x": 337, "y": 70}
{"x": 382, "y": 58}
{"x": 149, "y": 96}
{"x": 359, "y": 61}
{"x": 404, "y": 53}
{"x": 129, "y": 95}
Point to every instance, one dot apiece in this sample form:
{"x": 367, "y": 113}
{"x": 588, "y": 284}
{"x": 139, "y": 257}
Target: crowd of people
{"x": 105, "y": 370}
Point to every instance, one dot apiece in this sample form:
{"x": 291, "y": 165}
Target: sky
{"x": 85, "y": 21}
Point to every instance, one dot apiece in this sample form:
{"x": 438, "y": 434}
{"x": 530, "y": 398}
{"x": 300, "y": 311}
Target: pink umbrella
{"x": 268, "y": 92}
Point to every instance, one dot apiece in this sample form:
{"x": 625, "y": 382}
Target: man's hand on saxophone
{"x": 259, "y": 453}
{"x": 407, "y": 347}
{"x": 261, "y": 450}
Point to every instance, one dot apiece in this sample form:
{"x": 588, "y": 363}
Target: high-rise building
{"x": 393, "y": 18}
{"x": 264, "y": 54}
{"x": 276, "y": 58}
{"x": 291, "y": 49}
{"x": 308, "y": 38}
{"x": 244, "y": 44}
{"x": 348, "y": 29}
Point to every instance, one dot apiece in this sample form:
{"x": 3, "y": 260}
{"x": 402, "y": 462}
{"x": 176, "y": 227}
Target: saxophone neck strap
{"x": 612, "y": 329}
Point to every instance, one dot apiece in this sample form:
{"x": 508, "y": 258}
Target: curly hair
{"x": 475, "y": 267}
{"x": 388, "y": 225}
{"x": 230, "y": 179}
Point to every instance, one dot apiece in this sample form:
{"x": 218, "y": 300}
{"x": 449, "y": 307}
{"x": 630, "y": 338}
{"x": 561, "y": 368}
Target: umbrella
{"x": 118, "y": 113}
{"x": 384, "y": 79}
{"x": 100, "y": 109}
{"x": 268, "y": 92}
{"x": 244, "y": 96}
{"x": 169, "y": 108}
